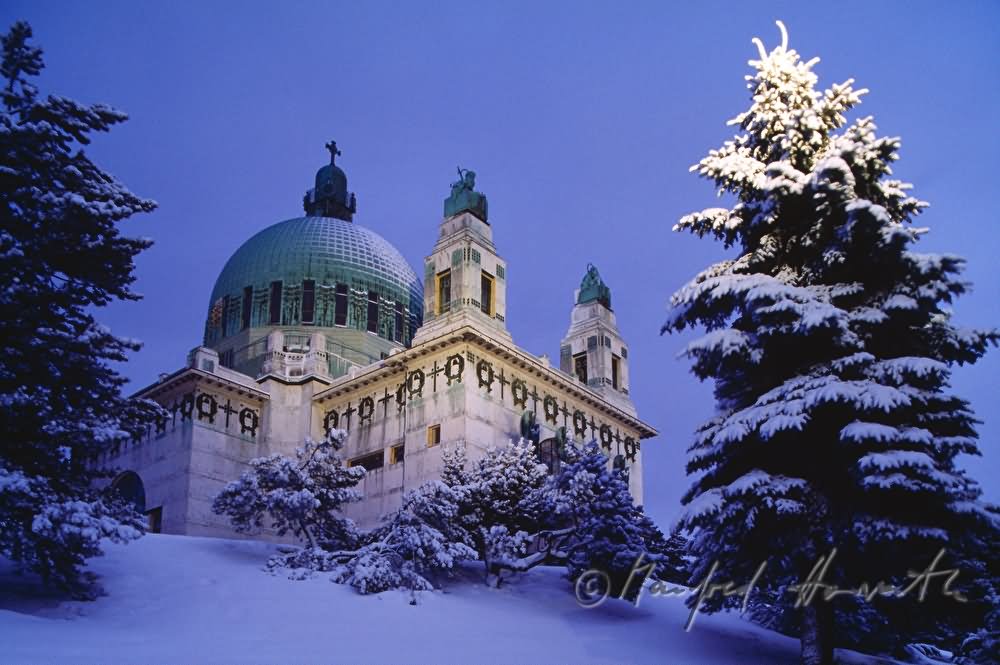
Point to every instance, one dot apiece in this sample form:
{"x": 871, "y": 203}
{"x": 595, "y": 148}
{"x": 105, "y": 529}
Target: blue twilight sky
{"x": 580, "y": 118}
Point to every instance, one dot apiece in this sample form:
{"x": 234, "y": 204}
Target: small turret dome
{"x": 331, "y": 181}
{"x": 329, "y": 197}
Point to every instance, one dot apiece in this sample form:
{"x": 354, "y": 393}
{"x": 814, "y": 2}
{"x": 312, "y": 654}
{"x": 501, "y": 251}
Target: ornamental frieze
{"x": 422, "y": 381}
{"x": 208, "y": 409}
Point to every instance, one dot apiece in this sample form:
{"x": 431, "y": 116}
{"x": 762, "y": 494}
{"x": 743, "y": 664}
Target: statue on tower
{"x": 464, "y": 197}
{"x": 592, "y": 288}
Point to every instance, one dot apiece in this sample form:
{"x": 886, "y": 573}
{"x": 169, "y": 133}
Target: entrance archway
{"x": 128, "y": 485}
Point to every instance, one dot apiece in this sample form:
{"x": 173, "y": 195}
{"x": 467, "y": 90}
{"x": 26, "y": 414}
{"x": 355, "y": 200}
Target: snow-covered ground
{"x": 174, "y": 599}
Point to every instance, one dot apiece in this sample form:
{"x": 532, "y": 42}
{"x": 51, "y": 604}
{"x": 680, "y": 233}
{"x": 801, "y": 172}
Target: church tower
{"x": 465, "y": 280}
{"x": 593, "y": 350}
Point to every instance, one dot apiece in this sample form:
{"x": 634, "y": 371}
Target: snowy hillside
{"x": 199, "y": 600}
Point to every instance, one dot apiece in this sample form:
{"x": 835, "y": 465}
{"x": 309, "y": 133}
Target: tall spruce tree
{"x": 61, "y": 256}
{"x": 830, "y": 344}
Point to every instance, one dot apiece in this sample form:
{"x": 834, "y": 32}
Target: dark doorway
{"x": 128, "y": 485}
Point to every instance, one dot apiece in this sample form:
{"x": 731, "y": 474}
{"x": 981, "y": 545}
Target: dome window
{"x": 247, "y": 305}
{"x": 308, "y": 301}
{"x": 340, "y": 304}
{"x": 372, "y": 312}
{"x": 275, "y": 304}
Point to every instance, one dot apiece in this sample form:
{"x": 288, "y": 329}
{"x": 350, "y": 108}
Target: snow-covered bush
{"x": 300, "y": 495}
{"x": 830, "y": 342}
{"x": 416, "y": 544}
{"x": 507, "y": 488}
{"x": 61, "y": 258}
{"x": 609, "y": 532}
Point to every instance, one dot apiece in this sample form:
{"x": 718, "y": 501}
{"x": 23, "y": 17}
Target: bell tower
{"x": 593, "y": 350}
{"x": 465, "y": 280}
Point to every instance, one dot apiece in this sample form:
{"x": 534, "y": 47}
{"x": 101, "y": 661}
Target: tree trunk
{"x": 817, "y": 633}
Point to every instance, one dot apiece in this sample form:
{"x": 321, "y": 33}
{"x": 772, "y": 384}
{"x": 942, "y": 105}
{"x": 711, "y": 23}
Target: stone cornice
{"x": 192, "y": 375}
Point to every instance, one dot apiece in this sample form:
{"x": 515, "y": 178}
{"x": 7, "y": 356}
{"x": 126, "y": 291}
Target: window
{"x": 615, "y": 362}
{"x": 372, "y": 312}
{"x": 443, "y": 292}
{"x": 396, "y": 454}
{"x": 548, "y": 454}
{"x": 486, "y": 300}
{"x": 370, "y": 461}
{"x": 247, "y": 307}
{"x": 399, "y": 322}
{"x": 580, "y": 366}
{"x": 225, "y": 314}
{"x": 433, "y": 435}
{"x": 308, "y": 300}
{"x": 275, "y": 304}
{"x": 340, "y": 305}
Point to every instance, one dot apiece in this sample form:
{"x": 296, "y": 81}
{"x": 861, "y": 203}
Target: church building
{"x": 317, "y": 323}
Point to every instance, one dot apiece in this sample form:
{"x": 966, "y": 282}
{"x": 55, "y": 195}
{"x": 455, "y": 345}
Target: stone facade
{"x": 461, "y": 382}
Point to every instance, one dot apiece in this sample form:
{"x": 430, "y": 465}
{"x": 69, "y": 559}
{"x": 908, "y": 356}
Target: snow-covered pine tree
{"x": 673, "y": 549}
{"x": 830, "y": 342}
{"x": 300, "y": 495}
{"x": 609, "y": 532}
{"x": 501, "y": 500}
{"x": 416, "y": 544}
{"x": 61, "y": 256}
{"x": 507, "y": 486}
{"x": 507, "y": 490}
{"x": 459, "y": 479}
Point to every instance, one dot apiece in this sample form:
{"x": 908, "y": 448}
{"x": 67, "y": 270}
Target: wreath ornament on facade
{"x": 579, "y": 424}
{"x": 366, "y": 408}
{"x": 551, "y": 408}
{"x": 453, "y": 368}
{"x": 330, "y": 421}
{"x": 207, "y": 407}
{"x": 484, "y": 372}
{"x": 415, "y": 383}
{"x": 606, "y": 436}
{"x": 187, "y": 406}
{"x": 519, "y": 393}
{"x": 249, "y": 421}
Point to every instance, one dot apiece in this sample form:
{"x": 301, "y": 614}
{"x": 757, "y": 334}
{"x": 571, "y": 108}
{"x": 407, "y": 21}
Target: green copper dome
{"x": 300, "y": 266}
